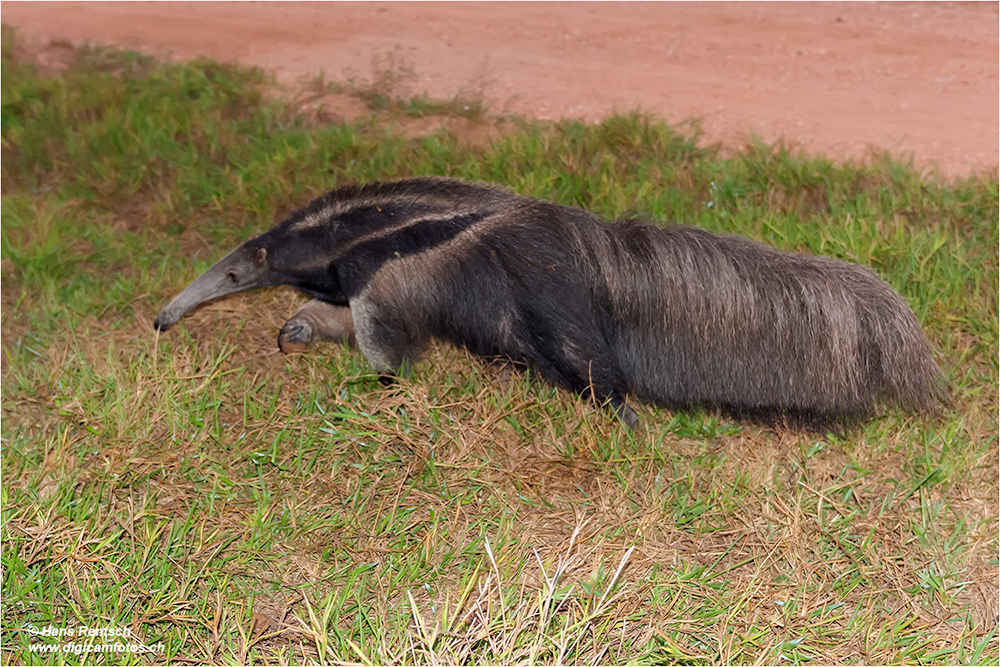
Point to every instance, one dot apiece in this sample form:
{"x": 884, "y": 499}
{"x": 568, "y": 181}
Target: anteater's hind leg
{"x": 623, "y": 410}
{"x": 587, "y": 369}
{"x": 317, "y": 320}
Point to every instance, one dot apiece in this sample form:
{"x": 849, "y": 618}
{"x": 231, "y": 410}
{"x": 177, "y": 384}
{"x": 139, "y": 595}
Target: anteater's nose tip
{"x": 159, "y": 325}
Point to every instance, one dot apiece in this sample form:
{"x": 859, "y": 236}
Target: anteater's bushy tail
{"x": 729, "y": 323}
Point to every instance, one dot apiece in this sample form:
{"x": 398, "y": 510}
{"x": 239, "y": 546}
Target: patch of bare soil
{"x": 841, "y": 79}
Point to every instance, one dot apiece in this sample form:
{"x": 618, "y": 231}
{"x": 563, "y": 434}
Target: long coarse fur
{"x": 675, "y": 316}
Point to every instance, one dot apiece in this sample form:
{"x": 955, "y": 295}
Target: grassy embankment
{"x": 237, "y": 505}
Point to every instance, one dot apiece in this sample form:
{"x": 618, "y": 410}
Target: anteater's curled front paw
{"x": 296, "y": 336}
{"x": 316, "y": 320}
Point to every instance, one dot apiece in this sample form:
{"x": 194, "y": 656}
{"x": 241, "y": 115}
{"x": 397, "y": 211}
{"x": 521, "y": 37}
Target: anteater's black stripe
{"x": 358, "y": 265}
{"x": 365, "y": 220}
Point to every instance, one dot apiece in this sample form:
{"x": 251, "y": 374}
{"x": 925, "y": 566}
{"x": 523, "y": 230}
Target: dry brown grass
{"x": 737, "y": 544}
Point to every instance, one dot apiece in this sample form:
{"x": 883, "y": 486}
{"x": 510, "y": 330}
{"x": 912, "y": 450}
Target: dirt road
{"x": 835, "y": 78}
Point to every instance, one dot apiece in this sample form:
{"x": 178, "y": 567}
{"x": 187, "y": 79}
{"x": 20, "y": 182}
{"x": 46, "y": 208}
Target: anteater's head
{"x": 275, "y": 258}
{"x": 330, "y": 248}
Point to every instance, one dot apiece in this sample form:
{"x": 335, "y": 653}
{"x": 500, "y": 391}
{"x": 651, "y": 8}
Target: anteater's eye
{"x": 233, "y": 277}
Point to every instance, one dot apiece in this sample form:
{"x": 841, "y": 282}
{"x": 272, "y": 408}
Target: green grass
{"x": 235, "y": 505}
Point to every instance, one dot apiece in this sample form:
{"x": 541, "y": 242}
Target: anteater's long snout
{"x": 240, "y": 270}
{"x": 168, "y": 316}
{"x": 206, "y": 287}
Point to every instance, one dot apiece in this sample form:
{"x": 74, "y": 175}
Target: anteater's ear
{"x": 258, "y": 259}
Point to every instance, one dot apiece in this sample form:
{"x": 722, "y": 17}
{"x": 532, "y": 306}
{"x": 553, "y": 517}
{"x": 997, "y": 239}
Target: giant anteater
{"x": 675, "y": 315}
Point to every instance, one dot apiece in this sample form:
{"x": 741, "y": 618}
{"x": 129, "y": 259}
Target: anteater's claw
{"x": 296, "y": 336}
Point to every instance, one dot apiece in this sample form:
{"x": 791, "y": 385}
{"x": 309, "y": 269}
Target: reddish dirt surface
{"x": 839, "y": 79}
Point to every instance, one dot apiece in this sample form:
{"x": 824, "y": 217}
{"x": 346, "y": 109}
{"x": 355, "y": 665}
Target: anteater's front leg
{"x": 390, "y": 338}
{"x": 317, "y": 320}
